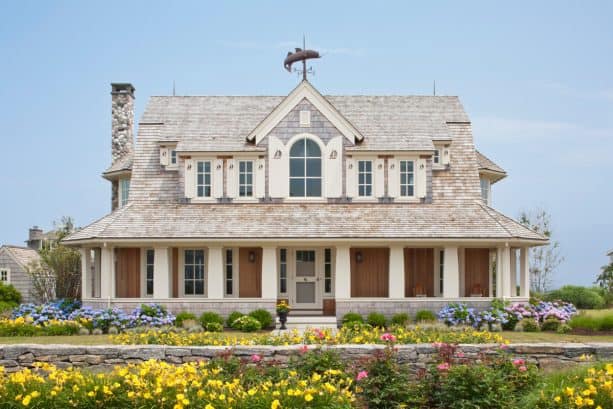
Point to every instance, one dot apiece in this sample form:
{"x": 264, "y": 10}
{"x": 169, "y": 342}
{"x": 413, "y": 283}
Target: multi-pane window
{"x": 245, "y": 178}
{"x": 437, "y": 156}
{"x": 203, "y": 184}
{"x": 328, "y": 271}
{"x": 4, "y": 275}
{"x": 365, "y": 178}
{"x": 485, "y": 190}
{"x": 173, "y": 157}
{"x": 305, "y": 169}
{"x": 149, "y": 262}
{"x": 229, "y": 273}
{"x": 125, "y": 191}
{"x": 283, "y": 271}
{"x": 194, "y": 272}
{"x": 441, "y": 270}
{"x": 407, "y": 178}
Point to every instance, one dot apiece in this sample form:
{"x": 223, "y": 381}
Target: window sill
{"x": 306, "y": 199}
{"x": 203, "y": 200}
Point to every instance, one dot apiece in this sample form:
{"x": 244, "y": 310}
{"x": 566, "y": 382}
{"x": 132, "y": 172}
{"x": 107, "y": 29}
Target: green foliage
{"x": 213, "y": 327}
{"x": 603, "y": 322}
{"x": 208, "y": 317}
{"x": 7, "y": 307}
{"x": 425, "y": 316}
{"x": 530, "y": 325}
{"x": 605, "y": 283}
{"x": 376, "y": 319}
{"x": 9, "y": 294}
{"x": 316, "y": 361}
{"x": 184, "y": 316}
{"x": 401, "y": 318}
{"x": 152, "y": 310}
{"x": 351, "y": 318}
{"x": 14, "y": 329}
{"x": 581, "y": 297}
{"x": 234, "y": 315}
{"x": 247, "y": 323}
{"x": 550, "y": 324}
{"x": 564, "y": 329}
{"x": 263, "y": 316}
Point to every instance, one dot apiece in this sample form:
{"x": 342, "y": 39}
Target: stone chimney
{"x": 122, "y": 130}
{"x": 35, "y": 238}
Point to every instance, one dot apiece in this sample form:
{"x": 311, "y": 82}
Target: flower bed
{"x": 26, "y": 327}
{"x": 347, "y": 335}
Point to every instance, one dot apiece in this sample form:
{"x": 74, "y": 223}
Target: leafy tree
{"x": 544, "y": 260}
{"x": 605, "y": 281}
{"x": 58, "y": 275}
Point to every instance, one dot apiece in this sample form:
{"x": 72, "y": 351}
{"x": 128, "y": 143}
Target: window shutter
{"x": 351, "y": 179}
{"x": 260, "y": 178}
{"x": 164, "y": 156}
{"x": 232, "y": 178}
{"x": 393, "y": 177}
{"x": 217, "y": 178}
{"x": 420, "y": 178}
{"x": 379, "y": 177}
{"x": 190, "y": 178}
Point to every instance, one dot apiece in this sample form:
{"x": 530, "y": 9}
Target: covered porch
{"x": 316, "y": 278}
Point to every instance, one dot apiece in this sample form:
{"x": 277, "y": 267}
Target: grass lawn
{"x": 59, "y": 339}
{"x": 597, "y": 313}
{"x": 522, "y": 337}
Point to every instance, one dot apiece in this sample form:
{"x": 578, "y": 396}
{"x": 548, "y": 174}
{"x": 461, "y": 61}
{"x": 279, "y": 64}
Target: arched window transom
{"x": 305, "y": 169}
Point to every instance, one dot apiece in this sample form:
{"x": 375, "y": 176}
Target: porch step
{"x": 308, "y": 321}
{"x": 306, "y": 313}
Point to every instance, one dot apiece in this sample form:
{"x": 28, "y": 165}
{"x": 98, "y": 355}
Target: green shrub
{"x": 9, "y": 294}
{"x": 316, "y": 361}
{"x": 606, "y": 322}
{"x": 351, "y": 318}
{"x": 210, "y": 316}
{"x": 247, "y": 323}
{"x": 425, "y": 316}
{"x": 263, "y": 316}
{"x": 581, "y": 297}
{"x": 550, "y": 324}
{"x": 234, "y": 315}
{"x": 592, "y": 323}
{"x": 7, "y": 306}
{"x": 564, "y": 329}
{"x": 530, "y": 325}
{"x": 213, "y": 327}
{"x": 376, "y": 319}
{"x": 402, "y": 318}
{"x": 184, "y": 316}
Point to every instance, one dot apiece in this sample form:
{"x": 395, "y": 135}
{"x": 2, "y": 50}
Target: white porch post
{"x": 524, "y": 262}
{"x": 107, "y": 273}
{"x": 513, "y": 271}
{"x": 451, "y": 273}
{"x": 85, "y": 272}
{"x": 161, "y": 273}
{"x": 503, "y": 272}
{"x": 396, "y": 277}
{"x": 215, "y": 274}
{"x": 342, "y": 270}
{"x": 269, "y": 272}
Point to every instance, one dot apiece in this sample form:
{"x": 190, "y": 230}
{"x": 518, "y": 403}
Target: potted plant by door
{"x": 282, "y": 311}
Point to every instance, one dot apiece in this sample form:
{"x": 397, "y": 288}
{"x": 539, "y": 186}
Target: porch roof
{"x": 139, "y": 220}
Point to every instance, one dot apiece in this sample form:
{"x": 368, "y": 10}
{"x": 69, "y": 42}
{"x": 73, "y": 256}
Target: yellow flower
{"x": 275, "y": 404}
{"x": 557, "y": 399}
{"x": 308, "y": 397}
{"x": 26, "y": 400}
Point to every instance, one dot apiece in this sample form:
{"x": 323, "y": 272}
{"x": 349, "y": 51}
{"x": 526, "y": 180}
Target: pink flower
{"x": 319, "y": 333}
{"x": 387, "y": 337}
{"x": 304, "y": 349}
{"x": 444, "y": 366}
{"x": 361, "y": 375}
{"x": 460, "y": 354}
{"x": 438, "y": 345}
{"x": 504, "y": 346}
{"x": 256, "y": 358}
{"x": 522, "y": 368}
{"x": 519, "y": 362}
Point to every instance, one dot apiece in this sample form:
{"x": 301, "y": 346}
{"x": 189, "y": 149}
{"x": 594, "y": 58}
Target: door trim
{"x": 317, "y": 279}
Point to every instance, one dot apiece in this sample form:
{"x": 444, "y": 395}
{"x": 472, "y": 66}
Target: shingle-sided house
{"x": 334, "y": 203}
{"x": 14, "y": 261}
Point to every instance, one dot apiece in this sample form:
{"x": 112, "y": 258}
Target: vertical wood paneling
{"x": 370, "y": 278}
{"x": 418, "y": 272}
{"x": 250, "y": 273}
{"x": 476, "y": 271}
{"x": 127, "y": 273}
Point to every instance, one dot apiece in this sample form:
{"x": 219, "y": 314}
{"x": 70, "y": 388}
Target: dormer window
{"x": 173, "y": 157}
{"x": 245, "y": 178}
{"x": 203, "y": 181}
{"x": 486, "y": 191}
{"x": 436, "y": 158}
{"x": 124, "y": 192}
{"x": 365, "y": 178}
{"x": 305, "y": 169}
{"x": 407, "y": 178}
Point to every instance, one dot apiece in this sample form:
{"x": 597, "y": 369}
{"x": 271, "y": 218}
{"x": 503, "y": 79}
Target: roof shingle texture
{"x": 486, "y": 163}
{"x": 22, "y": 255}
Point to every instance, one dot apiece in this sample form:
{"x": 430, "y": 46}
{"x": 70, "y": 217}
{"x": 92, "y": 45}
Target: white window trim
{"x": 372, "y": 179}
{"x": 203, "y": 199}
{"x": 120, "y": 192}
{"x": 8, "y": 274}
{"x": 412, "y": 197}
{"x": 181, "y": 279}
{"x": 287, "y": 254}
{"x": 332, "y": 292}
{"x": 322, "y": 149}
{"x": 235, "y": 274}
{"x": 253, "y": 161}
{"x": 172, "y": 166}
{"x": 143, "y": 272}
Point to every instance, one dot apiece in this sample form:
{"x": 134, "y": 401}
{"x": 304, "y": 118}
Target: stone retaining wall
{"x": 104, "y": 357}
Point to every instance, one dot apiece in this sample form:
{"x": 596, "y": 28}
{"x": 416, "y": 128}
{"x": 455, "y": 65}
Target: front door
{"x": 306, "y": 281}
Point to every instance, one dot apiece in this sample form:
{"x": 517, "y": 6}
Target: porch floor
{"x": 304, "y": 322}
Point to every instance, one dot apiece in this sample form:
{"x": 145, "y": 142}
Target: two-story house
{"x": 334, "y": 203}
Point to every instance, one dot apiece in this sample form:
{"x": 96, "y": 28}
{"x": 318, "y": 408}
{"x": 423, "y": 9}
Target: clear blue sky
{"x": 535, "y": 77}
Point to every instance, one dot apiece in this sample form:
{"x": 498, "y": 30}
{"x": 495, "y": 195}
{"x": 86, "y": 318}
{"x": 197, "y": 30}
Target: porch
{"x": 315, "y": 278}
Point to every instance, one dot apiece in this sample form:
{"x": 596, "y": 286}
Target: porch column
{"x": 503, "y": 272}
{"x": 451, "y": 273}
{"x": 269, "y": 272}
{"x": 107, "y": 273}
{"x": 161, "y": 273}
{"x": 85, "y": 272}
{"x": 215, "y": 273}
{"x": 342, "y": 283}
{"x": 396, "y": 277}
{"x": 513, "y": 268}
{"x": 524, "y": 263}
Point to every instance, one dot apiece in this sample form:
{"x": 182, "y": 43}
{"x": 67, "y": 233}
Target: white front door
{"x": 306, "y": 291}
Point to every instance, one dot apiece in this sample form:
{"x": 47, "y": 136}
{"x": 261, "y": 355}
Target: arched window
{"x": 305, "y": 169}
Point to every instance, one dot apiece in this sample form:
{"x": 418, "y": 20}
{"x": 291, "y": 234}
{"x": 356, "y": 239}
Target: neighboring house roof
{"x": 222, "y": 123}
{"x": 610, "y": 253}
{"x": 22, "y": 255}
{"x": 486, "y": 165}
{"x": 294, "y": 221}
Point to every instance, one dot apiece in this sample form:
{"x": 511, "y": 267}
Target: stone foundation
{"x": 105, "y": 357}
